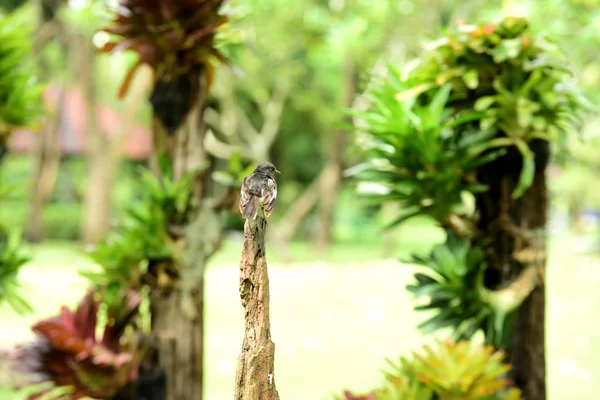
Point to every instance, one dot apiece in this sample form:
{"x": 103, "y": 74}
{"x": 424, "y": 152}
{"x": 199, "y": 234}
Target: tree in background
{"x": 463, "y": 135}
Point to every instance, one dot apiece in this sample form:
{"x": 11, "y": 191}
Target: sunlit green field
{"x": 335, "y": 321}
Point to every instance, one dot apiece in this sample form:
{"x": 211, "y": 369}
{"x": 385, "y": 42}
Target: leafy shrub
{"x": 69, "y": 354}
{"x": 452, "y": 371}
{"x": 451, "y": 281}
{"x": 493, "y": 92}
{"x": 139, "y": 250}
{"x": 416, "y": 153}
{"x": 518, "y": 80}
{"x": 11, "y": 261}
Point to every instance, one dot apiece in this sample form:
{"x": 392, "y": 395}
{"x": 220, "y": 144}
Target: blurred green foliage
{"x": 11, "y": 261}
{"x": 465, "y": 370}
{"x": 304, "y": 44}
{"x": 429, "y": 127}
{"x": 141, "y": 239}
{"x": 20, "y": 94}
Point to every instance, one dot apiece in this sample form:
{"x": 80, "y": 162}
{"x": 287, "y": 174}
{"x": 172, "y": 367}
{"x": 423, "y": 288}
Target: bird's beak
{"x": 277, "y": 171}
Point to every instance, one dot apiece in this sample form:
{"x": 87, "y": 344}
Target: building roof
{"x": 73, "y": 130}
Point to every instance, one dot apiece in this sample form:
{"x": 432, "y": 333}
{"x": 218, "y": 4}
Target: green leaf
{"x": 507, "y": 49}
{"x": 527, "y": 173}
{"x": 437, "y": 106}
{"x": 471, "y": 79}
{"x": 484, "y": 102}
{"x": 443, "y": 319}
{"x": 413, "y": 91}
{"x": 403, "y": 218}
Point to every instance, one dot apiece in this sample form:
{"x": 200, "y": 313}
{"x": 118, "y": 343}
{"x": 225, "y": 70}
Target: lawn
{"x": 335, "y": 321}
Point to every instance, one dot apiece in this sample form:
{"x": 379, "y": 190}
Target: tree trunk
{"x": 330, "y": 185}
{"x": 255, "y": 375}
{"x": 48, "y": 152}
{"x": 177, "y": 313}
{"x": 517, "y": 229}
{"x": 47, "y": 164}
{"x": 97, "y": 194}
{"x": 105, "y": 153}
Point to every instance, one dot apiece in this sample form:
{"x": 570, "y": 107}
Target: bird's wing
{"x": 269, "y": 196}
{"x": 244, "y": 195}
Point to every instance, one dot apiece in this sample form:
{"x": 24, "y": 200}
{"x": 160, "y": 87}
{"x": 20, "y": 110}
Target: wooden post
{"x": 255, "y": 376}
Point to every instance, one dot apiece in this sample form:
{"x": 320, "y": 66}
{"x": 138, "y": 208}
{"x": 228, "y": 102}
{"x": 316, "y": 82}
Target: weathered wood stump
{"x": 255, "y": 375}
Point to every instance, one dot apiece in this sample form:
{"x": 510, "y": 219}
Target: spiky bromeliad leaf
{"x": 11, "y": 261}
{"x": 464, "y": 370}
{"x": 415, "y": 149}
{"x": 177, "y": 40}
{"x": 68, "y": 354}
{"x": 449, "y": 283}
{"x": 447, "y": 370}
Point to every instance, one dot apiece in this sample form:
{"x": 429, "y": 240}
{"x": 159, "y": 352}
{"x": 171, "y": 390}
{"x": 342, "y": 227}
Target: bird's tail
{"x": 251, "y": 208}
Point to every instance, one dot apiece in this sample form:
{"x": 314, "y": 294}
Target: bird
{"x": 259, "y": 189}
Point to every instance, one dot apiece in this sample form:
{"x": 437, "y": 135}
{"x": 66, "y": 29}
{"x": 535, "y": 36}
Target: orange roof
{"x": 73, "y": 130}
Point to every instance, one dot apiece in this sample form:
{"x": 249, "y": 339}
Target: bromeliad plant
{"x": 176, "y": 39}
{"x": 480, "y": 95}
{"x": 139, "y": 251}
{"x": 450, "y": 283}
{"x": 69, "y": 353}
{"x": 518, "y": 80}
{"x": 142, "y": 250}
{"x": 416, "y": 154}
{"x": 451, "y": 371}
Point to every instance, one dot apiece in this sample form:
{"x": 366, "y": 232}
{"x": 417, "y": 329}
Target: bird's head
{"x": 267, "y": 167}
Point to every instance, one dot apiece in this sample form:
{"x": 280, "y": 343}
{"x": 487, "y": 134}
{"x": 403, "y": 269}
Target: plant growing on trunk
{"x": 463, "y": 135}
{"x": 69, "y": 353}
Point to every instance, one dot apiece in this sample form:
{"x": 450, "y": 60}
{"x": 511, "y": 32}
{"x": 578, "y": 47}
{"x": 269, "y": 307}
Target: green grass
{"x": 334, "y": 321}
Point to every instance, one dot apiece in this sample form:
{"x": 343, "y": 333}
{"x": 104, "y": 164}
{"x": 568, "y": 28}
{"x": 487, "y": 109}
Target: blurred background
{"x": 339, "y": 306}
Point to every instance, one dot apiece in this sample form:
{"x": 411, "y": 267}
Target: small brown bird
{"x": 259, "y": 189}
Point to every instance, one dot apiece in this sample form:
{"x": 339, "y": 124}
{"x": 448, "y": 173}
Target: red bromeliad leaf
{"x": 67, "y": 319}
{"x": 86, "y": 315}
{"x": 67, "y": 353}
{"x": 124, "y": 88}
{"x": 164, "y": 33}
{"x": 60, "y": 337}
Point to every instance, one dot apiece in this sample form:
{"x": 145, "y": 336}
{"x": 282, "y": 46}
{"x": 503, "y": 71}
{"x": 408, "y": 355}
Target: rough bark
{"x": 517, "y": 229}
{"x": 178, "y": 311}
{"x": 255, "y": 375}
{"x": 330, "y": 185}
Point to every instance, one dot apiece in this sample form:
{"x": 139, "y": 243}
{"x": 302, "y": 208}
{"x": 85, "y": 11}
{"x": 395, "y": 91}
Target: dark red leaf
{"x": 60, "y": 337}
{"x": 67, "y": 319}
{"x": 86, "y": 315}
